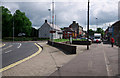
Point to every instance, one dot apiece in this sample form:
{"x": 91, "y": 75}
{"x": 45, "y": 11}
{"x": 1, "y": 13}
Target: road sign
{"x": 52, "y": 31}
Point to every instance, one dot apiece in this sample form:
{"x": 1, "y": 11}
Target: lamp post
{"x": 88, "y": 27}
{"x": 50, "y": 14}
{"x": 96, "y": 23}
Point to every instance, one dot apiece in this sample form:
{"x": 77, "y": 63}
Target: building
{"x": 113, "y": 31}
{"x": 69, "y": 32}
{"x": 116, "y": 32}
{"x": 44, "y": 31}
{"x": 73, "y": 30}
{"x": 107, "y": 34}
{"x": 34, "y": 32}
{"x": 77, "y": 28}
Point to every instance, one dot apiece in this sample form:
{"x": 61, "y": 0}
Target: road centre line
{"x": 23, "y": 60}
{"x": 8, "y": 51}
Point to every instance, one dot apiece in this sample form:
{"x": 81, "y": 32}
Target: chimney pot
{"x": 74, "y": 21}
{"x": 45, "y": 21}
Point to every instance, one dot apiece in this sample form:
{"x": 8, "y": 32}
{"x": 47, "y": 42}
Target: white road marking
{"x": 19, "y": 45}
{"x": 107, "y": 63}
{"x": 7, "y": 47}
{"x": 8, "y": 51}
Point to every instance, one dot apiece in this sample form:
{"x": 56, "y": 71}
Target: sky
{"x": 67, "y": 11}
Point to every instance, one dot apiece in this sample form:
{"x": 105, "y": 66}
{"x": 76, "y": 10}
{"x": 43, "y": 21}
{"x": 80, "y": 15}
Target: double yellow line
{"x": 23, "y": 60}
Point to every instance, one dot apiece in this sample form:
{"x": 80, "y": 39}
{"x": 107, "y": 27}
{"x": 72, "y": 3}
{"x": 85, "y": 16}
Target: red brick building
{"x": 73, "y": 30}
{"x": 69, "y": 32}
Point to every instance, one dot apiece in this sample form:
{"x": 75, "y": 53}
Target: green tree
{"x": 6, "y": 22}
{"x": 100, "y": 30}
{"x": 62, "y": 28}
{"x": 91, "y": 32}
{"x": 22, "y": 23}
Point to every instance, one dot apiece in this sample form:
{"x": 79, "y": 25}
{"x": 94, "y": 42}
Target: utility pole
{"x": 55, "y": 19}
{"x": 88, "y": 27}
{"x": 52, "y": 19}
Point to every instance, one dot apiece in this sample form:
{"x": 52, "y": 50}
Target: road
{"x": 100, "y": 60}
{"x": 13, "y": 52}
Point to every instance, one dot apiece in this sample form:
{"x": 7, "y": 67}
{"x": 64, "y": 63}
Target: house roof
{"x": 68, "y": 29}
{"x": 54, "y": 26}
{"x": 118, "y": 22}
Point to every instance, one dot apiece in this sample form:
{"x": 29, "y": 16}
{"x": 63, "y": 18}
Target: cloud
{"x": 37, "y": 11}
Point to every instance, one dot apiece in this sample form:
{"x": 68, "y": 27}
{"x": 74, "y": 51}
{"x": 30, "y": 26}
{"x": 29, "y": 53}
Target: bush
{"x": 23, "y": 39}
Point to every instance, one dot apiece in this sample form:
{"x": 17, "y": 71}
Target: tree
{"x": 62, "y": 28}
{"x": 6, "y": 22}
{"x": 22, "y": 23}
{"x": 100, "y": 30}
{"x": 91, "y": 32}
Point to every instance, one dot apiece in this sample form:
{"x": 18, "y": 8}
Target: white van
{"x": 97, "y": 38}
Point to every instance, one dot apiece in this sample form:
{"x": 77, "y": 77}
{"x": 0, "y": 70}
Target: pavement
{"x": 44, "y": 64}
{"x": 100, "y": 60}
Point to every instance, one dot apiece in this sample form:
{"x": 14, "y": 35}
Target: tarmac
{"x": 100, "y": 60}
{"x": 44, "y": 64}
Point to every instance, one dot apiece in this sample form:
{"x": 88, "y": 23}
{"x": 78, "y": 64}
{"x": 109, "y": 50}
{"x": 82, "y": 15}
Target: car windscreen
{"x": 97, "y": 37}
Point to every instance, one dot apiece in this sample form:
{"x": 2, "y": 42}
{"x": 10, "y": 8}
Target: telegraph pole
{"x": 53, "y": 14}
{"x": 52, "y": 19}
{"x": 88, "y": 27}
{"x": 55, "y": 19}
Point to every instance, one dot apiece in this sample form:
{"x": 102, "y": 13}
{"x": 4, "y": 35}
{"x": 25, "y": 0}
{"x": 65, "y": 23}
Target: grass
{"x": 64, "y": 40}
{"x": 61, "y": 40}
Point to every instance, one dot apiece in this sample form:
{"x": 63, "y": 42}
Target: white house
{"x": 44, "y": 31}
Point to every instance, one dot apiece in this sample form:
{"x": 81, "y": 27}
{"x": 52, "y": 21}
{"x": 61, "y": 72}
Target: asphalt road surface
{"x": 13, "y": 52}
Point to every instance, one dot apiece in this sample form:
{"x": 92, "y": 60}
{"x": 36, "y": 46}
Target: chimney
{"x": 74, "y": 21}
{"x": 45, "y": 21}
{"x": 77, "y": 24}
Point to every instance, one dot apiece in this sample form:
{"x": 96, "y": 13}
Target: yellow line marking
{"x": 23, "y": 60}
{"x": 2, "y": 45}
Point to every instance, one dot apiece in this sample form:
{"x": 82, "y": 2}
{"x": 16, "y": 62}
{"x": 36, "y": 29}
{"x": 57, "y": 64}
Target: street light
{"x": 88, "y": 27}
{"x": 50, "y": 14}
{"x": 96, "y": 23}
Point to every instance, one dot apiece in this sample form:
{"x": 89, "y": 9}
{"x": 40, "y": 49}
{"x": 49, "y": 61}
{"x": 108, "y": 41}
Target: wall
{"x": 68, "y": 48}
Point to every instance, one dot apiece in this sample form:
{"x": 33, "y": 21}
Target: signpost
{"x": 70, "y": 39}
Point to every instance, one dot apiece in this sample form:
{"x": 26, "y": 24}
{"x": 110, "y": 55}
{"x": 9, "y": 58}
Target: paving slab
{"x": 93, "y": 62}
